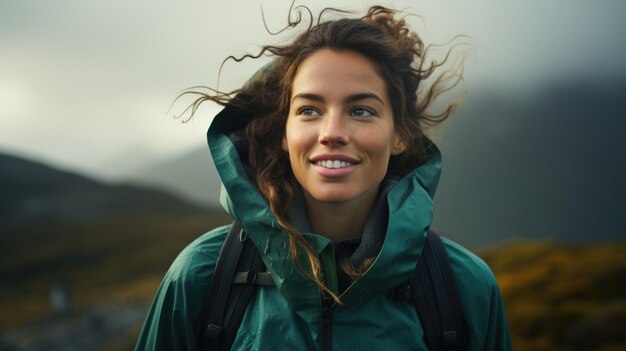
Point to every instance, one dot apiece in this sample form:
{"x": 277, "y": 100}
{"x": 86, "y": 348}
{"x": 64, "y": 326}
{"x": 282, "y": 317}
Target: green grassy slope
{"x": 563, "y": 297}
{"x": 118, "y": 261}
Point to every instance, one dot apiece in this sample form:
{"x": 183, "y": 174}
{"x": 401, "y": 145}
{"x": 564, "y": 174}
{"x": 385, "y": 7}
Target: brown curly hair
{"x": 398, "y": 55}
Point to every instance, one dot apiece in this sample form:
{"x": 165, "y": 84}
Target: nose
{"x": 334, "y": 130}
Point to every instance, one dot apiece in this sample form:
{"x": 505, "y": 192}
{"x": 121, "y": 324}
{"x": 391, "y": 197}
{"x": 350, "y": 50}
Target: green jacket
{"x": 288, "y": 316}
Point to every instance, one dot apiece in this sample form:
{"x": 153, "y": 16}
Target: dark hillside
{"x": 80, "y": 258}
{"x": 543, "y": 163}
{"x": 33, "y": 193}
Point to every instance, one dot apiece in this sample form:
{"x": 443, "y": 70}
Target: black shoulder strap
{"x": 238, "y": 272}
{"x": 436, "y": 297}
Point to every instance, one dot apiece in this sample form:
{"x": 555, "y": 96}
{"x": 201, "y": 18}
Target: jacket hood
{"x": 410, "y": 209}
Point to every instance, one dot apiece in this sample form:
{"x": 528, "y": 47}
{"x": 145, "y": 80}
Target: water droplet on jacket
{"x": 266, "y": 249}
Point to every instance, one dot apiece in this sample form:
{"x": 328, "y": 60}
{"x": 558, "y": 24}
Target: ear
{"x": 398, "y": 146}
{"x": 285, "y": 145}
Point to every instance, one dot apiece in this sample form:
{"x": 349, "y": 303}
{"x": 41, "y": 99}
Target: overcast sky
{"x": 84, "y": 83}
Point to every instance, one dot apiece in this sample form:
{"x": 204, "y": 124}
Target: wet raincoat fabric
{"x": 288, "y": 316}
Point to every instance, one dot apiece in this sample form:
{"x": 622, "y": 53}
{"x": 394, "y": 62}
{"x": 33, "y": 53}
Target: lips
{"x": 334, "y": 165}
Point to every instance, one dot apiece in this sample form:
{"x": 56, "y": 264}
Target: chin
{"x": 334, "y": 196}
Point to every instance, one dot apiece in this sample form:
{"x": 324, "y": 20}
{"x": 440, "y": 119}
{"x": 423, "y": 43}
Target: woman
{"x": 325, "y": 164}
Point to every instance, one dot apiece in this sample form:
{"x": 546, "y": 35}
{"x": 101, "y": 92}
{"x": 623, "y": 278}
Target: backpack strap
{"x": 238, "y": 272}
{"x": 436, "y": 297}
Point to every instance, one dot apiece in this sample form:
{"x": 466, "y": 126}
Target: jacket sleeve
{"x": 172, "y": 321}
{"x": 497, "y": 335}
{"x": 482, "y": 302}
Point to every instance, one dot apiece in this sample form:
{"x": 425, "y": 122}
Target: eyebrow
{"x": 347, "y": 99}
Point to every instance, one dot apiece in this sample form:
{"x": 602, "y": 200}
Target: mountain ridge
{"x": 35, "y": 193}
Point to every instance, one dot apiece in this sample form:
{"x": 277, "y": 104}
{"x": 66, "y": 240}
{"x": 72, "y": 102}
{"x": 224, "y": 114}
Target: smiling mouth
{"x": 333, "y": 163}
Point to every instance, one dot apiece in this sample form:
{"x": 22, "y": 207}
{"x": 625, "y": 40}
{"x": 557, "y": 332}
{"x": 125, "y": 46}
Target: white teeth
{"x": 333, "y": 163}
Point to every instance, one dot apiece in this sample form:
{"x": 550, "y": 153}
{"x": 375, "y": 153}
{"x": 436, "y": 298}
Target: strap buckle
{"x": 214, "y": 331}
{"x": 243, "y": 235}
{"x": 251, "y": 277}
{"x": 450, "y": 340}
{"x": 401, "y": 292}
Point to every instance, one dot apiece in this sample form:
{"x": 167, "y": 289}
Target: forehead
{"x": 328, "y": 73}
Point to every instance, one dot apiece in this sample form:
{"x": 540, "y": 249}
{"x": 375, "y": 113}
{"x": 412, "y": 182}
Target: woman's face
{"x": 340, "y": 131}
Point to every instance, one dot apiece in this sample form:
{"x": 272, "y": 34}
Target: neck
{"x": 338, "y": 221}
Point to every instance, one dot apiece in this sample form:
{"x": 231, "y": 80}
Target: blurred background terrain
{"x": 100, "y": 187}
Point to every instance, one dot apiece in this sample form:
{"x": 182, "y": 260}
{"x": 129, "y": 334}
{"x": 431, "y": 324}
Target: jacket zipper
{"x": 328, "y": 305}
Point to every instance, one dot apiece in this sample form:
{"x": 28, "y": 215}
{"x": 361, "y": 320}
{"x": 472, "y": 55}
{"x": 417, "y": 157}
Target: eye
{"x": 308, "y": 111}
{"x": 362, "y": 112}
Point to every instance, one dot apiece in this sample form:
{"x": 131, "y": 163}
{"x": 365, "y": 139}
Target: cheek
{"x": 297, "y": 138}
{"x": 379, "y": 143}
